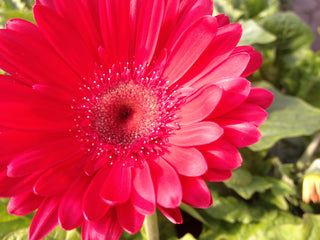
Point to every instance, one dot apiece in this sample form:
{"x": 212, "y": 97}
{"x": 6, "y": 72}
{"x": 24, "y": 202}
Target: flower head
{"x": 114, "y": 108}
{"x": 311, "y": 183}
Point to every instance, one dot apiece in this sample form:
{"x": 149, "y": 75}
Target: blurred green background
{"x": 263, "y": 199}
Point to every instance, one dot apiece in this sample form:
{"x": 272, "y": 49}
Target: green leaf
{"x": 288, "y": 117}
{"x": 228, "y": 8}
{"x": 10, "y": 223}
{"x": 276, "y": 199}
{"x": 309, "y": 229}
{"x": 262, "y": 230}
{"x": 234, "y": 210}
{"x": 254, "y": 33}
{"x": 241, "y": 184}
{"x": 57, "y": 234}
{"x": 292, "y": 33}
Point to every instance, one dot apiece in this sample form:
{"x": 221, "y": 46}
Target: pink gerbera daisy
{"x": 113, "y": 108}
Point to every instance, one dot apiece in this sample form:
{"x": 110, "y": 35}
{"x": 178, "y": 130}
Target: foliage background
{"x": 263, "y": 198}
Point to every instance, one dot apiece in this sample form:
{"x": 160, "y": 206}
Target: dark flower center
{"x": 125, "y": 113}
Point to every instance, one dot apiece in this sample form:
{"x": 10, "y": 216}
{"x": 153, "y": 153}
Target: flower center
{"x": 126, "y": 113}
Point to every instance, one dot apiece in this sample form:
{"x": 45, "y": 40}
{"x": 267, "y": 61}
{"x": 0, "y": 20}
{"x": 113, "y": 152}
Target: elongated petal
{"x": 222, "y": 155}
{"x": 14, "y": 142}
{"x": 31, "y": 117}
{"x": 117, "y": 28}
{"x": 190, "y": 12}
{"x": 70, "y": 210}
{"x": 31, "y": 63}
{"x": 172, "y": 214}
{"x": 148, "y": 29}
{"x": 41, "y": 157}
{"x": 129, "y": 219}
{"x": 45, "y": 219}
{"x": 231, "y": 67}
{"x": 94, "y": 208}
{"x": 218, "y": 51}
{"x": 187, "y": 161}
{"x": 167, "y": 184}
{"x": 260, "y": 96}
{"x": 143, "y": 193}
{"x": 190, "y": 46}
{"x": 55, "y": 180}
{"x": 117, "y": 186}
{"x": 217, "y": 175}
{"x": 64, "y": 39}
{"x": 107, "y": 228}
{"x": 247, "y": 112}
{"x": 196, "y": 134}
{"x": 240, "y": 134}
{"x": 235, "y": 92}
{"x": 24, "y": 204}
{"x": 10, "y": 187}
{"x": 79, "y": 16}
{"x": 255, "y": 59}
{"x": 195, "y": 192}
{"x": 200, "y": 105}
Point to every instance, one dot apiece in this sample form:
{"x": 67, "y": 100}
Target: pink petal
{"x": 143, "y": 193}
{"x": 47, "y": 3}
{"x": 200, "y": 104}
{"x": 31, "y": 63}
{"x": 222, "y": 20}
{"x": 79, "y": 16}
{"x": 70, "y": 209}
{"x": 106, "y": 228}
{"x": 14, "y": 142}
{"x": 233, "y": 66}
{"x": 94, "y": 208}
{"x": 261, "y": 97}
{"x": 235, "y": 92}
{"x": 196, "y": 192}
{"x": 15, "y": 186}
{"x": 117, "y": 186}
{"x": 172, "y": 214}
{"x": 170, "y": 17}
{"x": 41, "y": 157}
{"x": 167, "y": 184}
{"x": 24, "y": 204}
{"x": 23, "y": 26}
{"x": 187, "y": 161}
{"x": 240, "y": 134}
{"x": 222, "y": 155}
{"x": 116, "y": 29}
{"x": 148, "y": 29}
{"x": 45, "y": 219}
{"x": 129, "y": 219}
{"x": 219, "y": 50}
{"x": 53, "y": 92}
{"x": 55, "y": 180}
{"x": 217, "y": 175}
{"x": 64, "y": 39}
{"x": 196, "y": 134}
{"x": 189, "y": 47}
{"x": 255, "y": 59}
{"x": 34, "y": 117}
{"x": 12, "y": 91}
{"x": 190, "y": 12}
{"x": 248, "y": 112}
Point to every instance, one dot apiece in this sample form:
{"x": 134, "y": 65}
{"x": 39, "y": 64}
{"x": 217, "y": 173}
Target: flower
{"x": 114, "y": 108}
{"x": 311, "y": 183}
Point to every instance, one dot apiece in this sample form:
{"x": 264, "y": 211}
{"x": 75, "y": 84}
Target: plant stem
{"x": 151, "y": 226}
{"x": 310, "y": 150}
